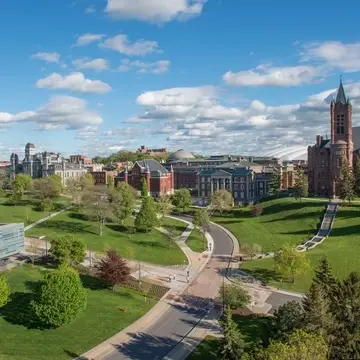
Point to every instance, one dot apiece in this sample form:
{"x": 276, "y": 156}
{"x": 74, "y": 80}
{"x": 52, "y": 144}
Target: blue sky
{"x": 215, "y": 76}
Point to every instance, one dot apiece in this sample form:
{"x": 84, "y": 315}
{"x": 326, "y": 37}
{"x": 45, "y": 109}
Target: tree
{"x": 163, "y": 206}
{"x": 222, "y": 200}
{"x": 287, "y": 318}
{"x": 112, "y": 269}
{"x": 257, "y": 210}
{"x": 182, "y": 199}
{"x": 234, "y": 295}
{"x": 122, "y": 202}
{"x": 98, "y": 206}
{"x": 61, "y": 297}
{"x": 144, "y": 188}
{"x": 66, "y": 249}
{"x": 250, "y": 250}
{"x": 46, "y": 188}
{"x": 58, "y": 185}
{"x": 232, "y": 345}
{"x": 202, "y": 221}
{"x": 301, "y": 185}
{"x": 291, "y": 263}
{"x": 357, "y": 176}
{"x": 325, "y": 278}
{"x": 4, "y": 291}
{"x": 275, "y": 184}
{"x": 47, "y": 205}
{"x": 147, "y": 218}
{"x": 347, "y": 182}
{"x": 110, "y": 182}
{"x": 78, "y": 187}
{"x": 300, "y": 345}
{"x": 33, "y": 249}
{"x": 21, "y": 183}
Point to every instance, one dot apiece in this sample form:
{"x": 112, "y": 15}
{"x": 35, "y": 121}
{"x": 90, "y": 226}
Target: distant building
{"x": 44, "y": 164}
{"x": 144, "y": 150}
{"x": 11, "y": 239}
{"x": 325, "y": 157}
{"x": 102, "y": 177}
{"x": 160, "y": 181}
{"x": 77, "y": 159}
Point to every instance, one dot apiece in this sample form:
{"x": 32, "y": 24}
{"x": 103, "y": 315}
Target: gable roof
{"x": 153, "y": 165}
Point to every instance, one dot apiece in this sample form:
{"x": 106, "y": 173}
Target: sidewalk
{"x": 45, "y": 219}
{"x": 197, "y": 262}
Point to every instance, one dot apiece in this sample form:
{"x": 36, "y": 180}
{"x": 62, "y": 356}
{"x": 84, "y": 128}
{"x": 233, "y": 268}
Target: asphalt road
{"x": 157, "y": 341}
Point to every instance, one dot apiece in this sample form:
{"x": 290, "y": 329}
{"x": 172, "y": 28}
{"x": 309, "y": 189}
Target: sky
{"x": 208, "y": 76}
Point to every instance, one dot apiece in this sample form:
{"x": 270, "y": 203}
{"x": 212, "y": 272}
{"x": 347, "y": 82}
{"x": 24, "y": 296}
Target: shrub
{"x": 234, "y": 296}
{"x": 257, "y": 210}
{"x": 61, "y": 297}
{"x": 4, "y": 291}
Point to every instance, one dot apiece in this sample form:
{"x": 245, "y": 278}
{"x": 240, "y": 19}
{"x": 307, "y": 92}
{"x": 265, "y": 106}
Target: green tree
{"x": 301, "y": 185}
{"x": 182, "y": 199}
{"x": 234, "y": 295}
{"x": 67, "y": 249}
{"x": 347, "y": 182}
{"x": 357, "y": 176}
{"x": 58, "y": 185}
{"x": 110, "y": 182}
{"x": 287, "y": 318}
{"x": 78, "y": 187}
{"x": 291, "y": 263}
{"x": 112, "y": 269}
{"x": 4, "y": 291}
{"x": 300, "y": 345}
{"x": 202, "y": 221}
{"x": 232, "y": 345}
{"x": 22, "y": 183}
{"x": 163, "y": 206}
{"x": 250, "y": 250}
{"x": 147, "y": 218}
{"x": 122, "y": 202}
{"x": 325, "y": 278}
{"x": 275, "y": 184}
{"x": 222, "y": 200}
{"x": 144, "y": 188}
{"x": 61, "y": 297}
{"x": 47, "y": 205}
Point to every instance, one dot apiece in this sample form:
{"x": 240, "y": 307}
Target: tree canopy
{"x": 147, "y": 218}
{"x": 222, "y": 200}
{"x": 182, "y": 199}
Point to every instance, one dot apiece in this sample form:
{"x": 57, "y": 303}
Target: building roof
{"x": 340, "y": 96}
{"x": 324, "y": 142}
{"x": 152, "y": 165}
{"x": 30, "y": 146}
{"x": 181, "y": 155}
{"x": 229, "y": 171}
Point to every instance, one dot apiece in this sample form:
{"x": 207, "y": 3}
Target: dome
{"x": 181, "y": 155}
{"x": 30, "y": 146}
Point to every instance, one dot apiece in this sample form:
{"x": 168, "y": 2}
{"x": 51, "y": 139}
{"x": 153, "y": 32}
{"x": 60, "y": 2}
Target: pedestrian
{"x": 187, "y": 273}
{"x": 169, "y": 278}
{"x": 174, "y": 276}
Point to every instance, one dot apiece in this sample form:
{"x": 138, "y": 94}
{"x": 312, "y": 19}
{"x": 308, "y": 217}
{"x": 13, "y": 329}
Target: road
{"x": 157, "y": 341}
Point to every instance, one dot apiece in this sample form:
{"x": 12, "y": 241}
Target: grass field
{"x": 252, "y": 327}
{"x": 101, "y": 319}
{"x": 341, "y": 248}
{"x": 176, "y": 225}
{"x": 26, "y": 210}
{"x": 151, "y": 247}
{"x": 283, "y": 220}
{"x": 196, "y": 241}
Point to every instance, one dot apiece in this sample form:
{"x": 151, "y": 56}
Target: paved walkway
{"x": 45, "y": 219}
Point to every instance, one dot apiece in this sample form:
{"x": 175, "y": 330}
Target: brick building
{"x": 324, "y": 158}
{"x": 77, "y": 159}
{"x": 102, "y": 177}
{"x": 160, "y": 181}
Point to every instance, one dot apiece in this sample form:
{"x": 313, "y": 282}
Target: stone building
{"x": 159, "y": 180}
{"x": 324, "y": 158}
{"x": 39, "y": 165}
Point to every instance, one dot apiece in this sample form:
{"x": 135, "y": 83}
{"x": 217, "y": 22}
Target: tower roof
{"x": 340, "y": 96}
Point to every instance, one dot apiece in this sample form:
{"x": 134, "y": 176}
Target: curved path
{"x": 163, "y": 335}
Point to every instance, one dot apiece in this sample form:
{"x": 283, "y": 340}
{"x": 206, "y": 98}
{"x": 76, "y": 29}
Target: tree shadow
{"x": 149, "y": 243}
{"x": 299, "y": 216}
{"x": 68, "y": 226}
{"x": 293, "y": 206}
{"x": 73, "y": 355}
{"x": 118, "y": 228}
{"x": 92, "y": 283}
{"x": 19, "y": 311}
{"x": 79, "y": 216}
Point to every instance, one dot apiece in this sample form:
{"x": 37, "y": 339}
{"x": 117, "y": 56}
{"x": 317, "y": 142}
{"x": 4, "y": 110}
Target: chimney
{"x": 318, "y": 140}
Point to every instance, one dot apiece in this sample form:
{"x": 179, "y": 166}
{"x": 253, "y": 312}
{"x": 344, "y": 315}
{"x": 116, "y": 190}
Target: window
{"x": 261, "y": 185}
{"x": 340, "y": 119}
{"x": 261, "y": 192}
{"x": 242, "y": 179}
{"x": 236, "y": 186}
{"x": 242, "y": 194}
{"x": 203, "y": 193}
{"x": 203, "y": 178}
{"x": 236, "y": 194}
{"x": 208, "y": 186}
{"x": 203, "y": 186}
{"x": 242, "y": 186}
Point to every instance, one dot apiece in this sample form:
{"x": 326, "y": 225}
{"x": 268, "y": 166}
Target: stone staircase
{"x": 325, "y": 228}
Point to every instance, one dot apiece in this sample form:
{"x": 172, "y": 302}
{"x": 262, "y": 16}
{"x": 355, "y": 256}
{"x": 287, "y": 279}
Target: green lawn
{"x": 26, "y": 210}
{"x": 341, "y": 248}
{"x": 101, "y": 320}
{"x": 151, "y": 247}
{"x": 283, "y": 220}
{"x": 196, "y": 241}
{"x": 252, "y": 327}
{"x": 176, "y": 225}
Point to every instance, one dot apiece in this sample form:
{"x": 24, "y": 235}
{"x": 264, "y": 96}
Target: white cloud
{"x": 335, "y": 54}
{"x": 265, "y": 75}
{"x": 52, "y": 57}
{"x": 196, "y": 119}
{"x": 75, "y": 82}
{"x": 141, "y": 67}
{"x": 60, "y": 112}
{"x": 95, "y": 64}
{"x": 90, "y": 10}
{"x": 88, "y": 38}
{"x": 155, "y": 11}
{"x": 123, "y": 45}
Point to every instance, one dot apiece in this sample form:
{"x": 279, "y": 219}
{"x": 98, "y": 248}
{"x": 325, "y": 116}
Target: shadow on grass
{"x": 68, "y": 226}
{"x": 79, "y": 216}
{"x": 73, "y": 355}
{"x": 149, "y": 243}
{"x": 119, "y": 228}
{"x": 299, "y": 216}
{"x": 263, "y": 275}
{"x": 92, "y": 283}
{"x": 291, "y": 206}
